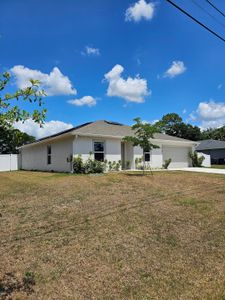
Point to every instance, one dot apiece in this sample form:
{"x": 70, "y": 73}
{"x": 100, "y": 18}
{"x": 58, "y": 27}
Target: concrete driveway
{"x": 201, "y": 170}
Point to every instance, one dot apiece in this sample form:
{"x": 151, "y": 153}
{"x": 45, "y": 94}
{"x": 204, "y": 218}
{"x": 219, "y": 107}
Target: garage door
{"x": 179, "y": 156}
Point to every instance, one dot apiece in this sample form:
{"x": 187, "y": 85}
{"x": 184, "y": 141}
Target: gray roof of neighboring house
{"x": 108, "y": 128}
{"x": 210, "y": 145}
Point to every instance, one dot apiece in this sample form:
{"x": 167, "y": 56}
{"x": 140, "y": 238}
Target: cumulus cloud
{"x": 49, "y": 128}
{"x": 210, "y": 114}
{"x": 86, "y": 100}
{"x": 90, "y": 51}
{"x": 130, "y": 89}
{"x": 140, "y": 10}
{"x": 175, "y": 69}
{"x": 211, "y": 110}
{"x": 54, "y": 83}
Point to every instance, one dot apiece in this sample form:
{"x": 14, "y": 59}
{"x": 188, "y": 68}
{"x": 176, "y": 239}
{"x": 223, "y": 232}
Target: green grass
{"x": 218, "y": 166}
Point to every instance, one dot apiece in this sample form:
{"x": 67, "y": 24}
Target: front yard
{"x": 114, "y": 236}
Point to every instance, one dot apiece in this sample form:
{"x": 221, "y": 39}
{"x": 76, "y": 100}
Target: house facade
{"x": 104, "y": 140}
{"x": 214, "y": 148}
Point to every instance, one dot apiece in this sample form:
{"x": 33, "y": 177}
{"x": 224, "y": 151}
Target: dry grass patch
{"x": 114, "y": 236}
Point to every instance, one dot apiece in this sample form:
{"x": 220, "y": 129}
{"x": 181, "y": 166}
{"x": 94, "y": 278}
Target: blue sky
{"x": 173, "y": 64}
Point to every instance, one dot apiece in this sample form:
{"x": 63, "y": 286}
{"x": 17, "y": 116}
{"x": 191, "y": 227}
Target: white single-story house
{"x": 105, "y": 140}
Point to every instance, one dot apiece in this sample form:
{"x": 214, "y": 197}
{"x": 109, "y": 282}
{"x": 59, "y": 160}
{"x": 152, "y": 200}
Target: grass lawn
{"x": 115, "y": 236}
{"x": 218, "y": 166}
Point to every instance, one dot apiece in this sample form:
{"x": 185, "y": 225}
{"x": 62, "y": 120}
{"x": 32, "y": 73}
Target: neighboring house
{"x": 105, "y": 140}
{"x": 214, "y": 148}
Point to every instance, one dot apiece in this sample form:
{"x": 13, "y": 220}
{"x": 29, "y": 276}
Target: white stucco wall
{"x": 156, "y": 159}
{"x": 84, "y": 145}
{"x": 35, "y": 157}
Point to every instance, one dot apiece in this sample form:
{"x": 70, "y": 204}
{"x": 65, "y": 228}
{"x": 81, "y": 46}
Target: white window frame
{"x": 99, "y": 141}
{"x": 49, "y": 155}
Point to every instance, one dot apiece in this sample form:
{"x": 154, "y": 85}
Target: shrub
{"x": 114, "y": 166}
{"x": 166, "y": 163}
{"x": 89, "y": 167}
{"x": 196, "y": 160}
{"x": 139, "y": 163}
{"x": 78, "y": 165}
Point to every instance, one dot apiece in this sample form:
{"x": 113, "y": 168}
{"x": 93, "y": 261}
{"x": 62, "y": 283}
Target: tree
{"x": 11, "y": 139}
{"x": 143, "y": 133}
{"x": 214, "y": 133}
{"x": 10, "y": 113}
{"x": 170, "y": 124}
{"x": 173, "y": 124}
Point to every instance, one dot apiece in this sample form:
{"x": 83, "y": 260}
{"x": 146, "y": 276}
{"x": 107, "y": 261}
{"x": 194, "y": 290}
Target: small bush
{"x": 196, "y": 160}
{"x": 114, "y": 166}
{"x": 166, "y": 163}
{"x": 78, "y": 165}
{"x": 89, "y": 167}
{"x": 139, "y": 163}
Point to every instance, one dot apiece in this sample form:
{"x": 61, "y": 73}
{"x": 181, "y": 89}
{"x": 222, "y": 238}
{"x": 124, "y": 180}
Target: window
{"x": 49, "y": 155}
{"x": 147, "y": 155}
{"x": 99, "y": 151}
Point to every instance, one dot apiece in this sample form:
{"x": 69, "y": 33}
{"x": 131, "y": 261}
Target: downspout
{"x": 73, "y": 149}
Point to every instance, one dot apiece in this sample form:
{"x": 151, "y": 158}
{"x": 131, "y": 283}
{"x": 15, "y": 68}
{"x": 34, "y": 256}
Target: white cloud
{"x": 90, "y": 51}
{"x": 184, "y": 111}
{"x": 86, "y": 100}
{"x": 175, "y": 69}
{"x": 211, "y": 110}
{"x": 212, "y": 124}
{"x": 54, "y": 83}
{"x": 140, "y": 10}
{"x": 49, "y": 128}
{"x": 219, "y": 87}
{"x": 210, "y": 114}
{"x": 131, "y": 89}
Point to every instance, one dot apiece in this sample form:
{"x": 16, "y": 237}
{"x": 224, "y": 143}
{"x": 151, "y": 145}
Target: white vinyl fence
{"x": 9, "y": 162}
{"x": 207, "y": 161}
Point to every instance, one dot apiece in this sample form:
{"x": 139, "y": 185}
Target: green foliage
{"x": 215, "y": 134}
{"x": 28, "y": 279}
{"x": 114, "y": 166}
{"x": 173, "y": 124}
{"x": 10, "y": 113}
{"x": 167, "y": 163}
{"x": 139, "y": 163}
{"x": 143, "y": 134}
{"x": 196, "y": 159}
{"x": 78, "y": 165}
{"x": 11, "y": 139}
{"x": 90, "y": 166}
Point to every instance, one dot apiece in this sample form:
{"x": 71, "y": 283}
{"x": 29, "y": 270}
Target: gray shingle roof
{"x": 107, "y": 128}
{"x": 210, "y": 144}
{"x": 104, "y": 127}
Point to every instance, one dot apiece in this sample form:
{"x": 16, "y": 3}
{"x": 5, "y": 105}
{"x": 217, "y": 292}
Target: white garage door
{"x": 179, "y": 156}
